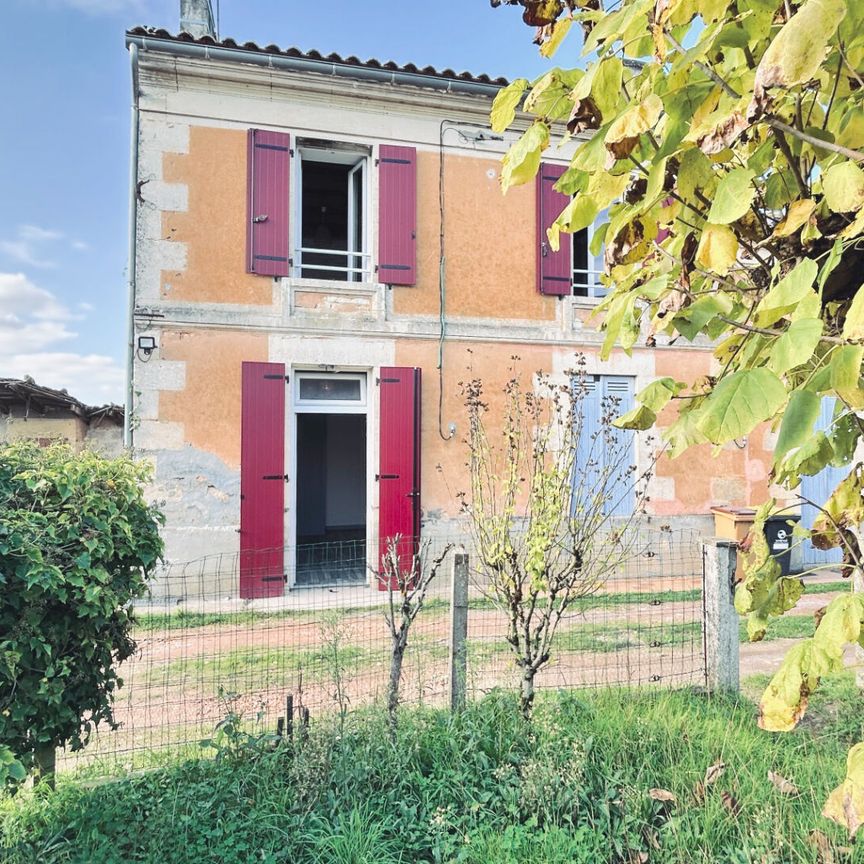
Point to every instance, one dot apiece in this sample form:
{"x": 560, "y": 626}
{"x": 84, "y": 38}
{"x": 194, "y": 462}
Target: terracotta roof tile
{"x": 371, "y": 63}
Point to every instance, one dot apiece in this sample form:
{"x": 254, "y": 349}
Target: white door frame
{"x": 292, "y": 409}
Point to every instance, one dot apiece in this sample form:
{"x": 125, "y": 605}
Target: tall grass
{"x": 480, "y": 786}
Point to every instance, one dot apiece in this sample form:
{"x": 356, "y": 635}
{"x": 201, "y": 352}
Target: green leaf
{"x": 578, "y": 214}
{"x": 846, "y": 373}
{"x": 810, "y": 458}
{"x": 718, "y": 249}
{"x": 659, "y": 393}
{"x": 787, "y": 293}
{"x": 739, "y": 402}
{"x": 606, "y": 85}
{"x": 639, "y": 418}
{"x": 692, "y": 319}
{"x": 796, "y": 346}
{"x": 843, "y": 185}
{"x": 798, "y": 419}
{"x": 549, "y": 97}
{"x": 506, "y": 102}
{"x": 734, "y": 196}
{"x": 522, "y": 160}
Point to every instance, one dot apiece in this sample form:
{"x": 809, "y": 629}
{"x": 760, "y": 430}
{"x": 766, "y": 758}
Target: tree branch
{"x": 816, "y": 142}
{"x": 793, "y": 162}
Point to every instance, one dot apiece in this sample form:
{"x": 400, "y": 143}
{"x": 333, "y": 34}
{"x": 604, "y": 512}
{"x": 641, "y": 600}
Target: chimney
{"x": 196, "y": 18}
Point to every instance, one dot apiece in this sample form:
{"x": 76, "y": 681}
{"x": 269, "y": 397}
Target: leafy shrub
{"x": 77, "y": 542}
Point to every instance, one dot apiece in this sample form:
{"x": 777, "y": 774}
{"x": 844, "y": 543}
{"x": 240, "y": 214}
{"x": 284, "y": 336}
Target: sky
{"x": 65, "y": 97}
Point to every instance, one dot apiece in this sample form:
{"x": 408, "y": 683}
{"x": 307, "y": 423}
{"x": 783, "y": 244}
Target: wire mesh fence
{"x": 324, "y": 641}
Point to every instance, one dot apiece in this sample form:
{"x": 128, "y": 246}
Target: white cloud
{"x": 34, "y": 232}
{"x": 22, "y": 252}
{"x": 80, "y": 245}
{"x": 92, "y": 378}
{"x": 19, "y": 296}
{"x": 29, "y": 246}
{"x": 34, "y": 324}
{"x": 19, "y": 336}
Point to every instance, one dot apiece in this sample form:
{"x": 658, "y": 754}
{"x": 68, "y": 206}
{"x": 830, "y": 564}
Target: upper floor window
{"x": 587, "y": 268}
{"x": 331, "y": 214}
{"x": 310, "y": 214}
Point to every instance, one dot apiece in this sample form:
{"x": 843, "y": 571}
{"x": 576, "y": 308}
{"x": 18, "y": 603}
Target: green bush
{"x": 77, "y": 543}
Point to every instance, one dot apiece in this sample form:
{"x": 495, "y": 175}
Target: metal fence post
{"x": 720, "y": 620}
{"x": 459, "y": 631}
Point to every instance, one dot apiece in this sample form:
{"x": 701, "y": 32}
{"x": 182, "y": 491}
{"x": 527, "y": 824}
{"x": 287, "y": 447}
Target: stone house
{"x": 320, "y": 252}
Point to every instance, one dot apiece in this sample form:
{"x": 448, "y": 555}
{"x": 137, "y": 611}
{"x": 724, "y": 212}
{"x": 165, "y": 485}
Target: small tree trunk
{"x": 395, "y": 678}
{"x": 45, "y": 757}
{"x": 526, "y": 696}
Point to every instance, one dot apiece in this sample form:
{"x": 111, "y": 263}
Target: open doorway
{"x": 331, "y": 498}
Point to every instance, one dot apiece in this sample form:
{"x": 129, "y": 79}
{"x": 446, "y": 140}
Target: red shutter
{"x": 554, "y": 269}
{"x": 397, "y": 215}
{"x": 267, "y": 166}
{"x": 262, "y": 481}
{"x": 399, "y": 463}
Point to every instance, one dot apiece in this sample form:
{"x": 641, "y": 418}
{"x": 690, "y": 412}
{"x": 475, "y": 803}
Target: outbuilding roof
{"x": 26, "y": 392}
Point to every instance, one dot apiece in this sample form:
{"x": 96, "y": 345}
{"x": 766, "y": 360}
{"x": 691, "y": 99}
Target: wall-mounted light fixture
{"x": 146, "y": 345}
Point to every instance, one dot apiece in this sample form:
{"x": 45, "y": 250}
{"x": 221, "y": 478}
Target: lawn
{"x": 573, "y": 787}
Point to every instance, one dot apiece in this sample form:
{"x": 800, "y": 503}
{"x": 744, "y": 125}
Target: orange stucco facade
{"x": 465, "y": 316}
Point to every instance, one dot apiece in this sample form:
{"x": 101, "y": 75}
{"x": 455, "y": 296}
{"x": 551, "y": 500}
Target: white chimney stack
{"x": 196, "y": 18}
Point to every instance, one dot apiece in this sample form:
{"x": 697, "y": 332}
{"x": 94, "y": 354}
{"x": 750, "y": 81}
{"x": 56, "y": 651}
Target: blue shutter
{"x": 620, "y": 388}
{"x": 818, "y": 488}
{"x": 592, "y": 451}
{"x": 589, "y": 448}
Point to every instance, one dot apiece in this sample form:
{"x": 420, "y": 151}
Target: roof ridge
{"x": 319, "y": 56}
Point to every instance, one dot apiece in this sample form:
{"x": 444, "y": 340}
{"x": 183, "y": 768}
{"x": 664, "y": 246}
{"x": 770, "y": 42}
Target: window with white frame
{"x": 588, "y": 266}
{"x": 331, "y": 224}
{"x": 329, "y": 391}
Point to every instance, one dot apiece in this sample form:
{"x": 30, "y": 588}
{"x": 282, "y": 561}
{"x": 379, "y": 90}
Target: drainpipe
{"x": 132, "y": 263}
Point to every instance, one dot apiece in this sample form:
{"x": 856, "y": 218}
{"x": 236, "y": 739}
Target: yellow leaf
{"x": 623, "y": 135}
{"x": 522, "y": 160}
{"x": 799, "y": 213}
{"x": 843, "y": 185}
{"x": 800, "y": 47}
{"x": 854, "y": 228}
{"x": 845, "y": 805}
{"x": 785, "y": 699}
{"x": 853, "y": 326}
{"x": 718, "y": 249}
{"x": 506, "y": 102}
{"x": 560, "y": 29}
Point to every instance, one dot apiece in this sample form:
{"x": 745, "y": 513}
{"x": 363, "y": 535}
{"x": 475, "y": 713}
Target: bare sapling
{"x": 553, "y": 503}
{"x": 408, "y": 576}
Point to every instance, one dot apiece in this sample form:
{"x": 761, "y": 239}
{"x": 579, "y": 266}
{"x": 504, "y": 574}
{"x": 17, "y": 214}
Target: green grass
{"x": 480, "y": 787}
{"x": 827, "y": 587}
{"x": 183, "y": 619}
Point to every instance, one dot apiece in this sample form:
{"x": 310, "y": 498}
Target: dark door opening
{"x": 331, "y": 498}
